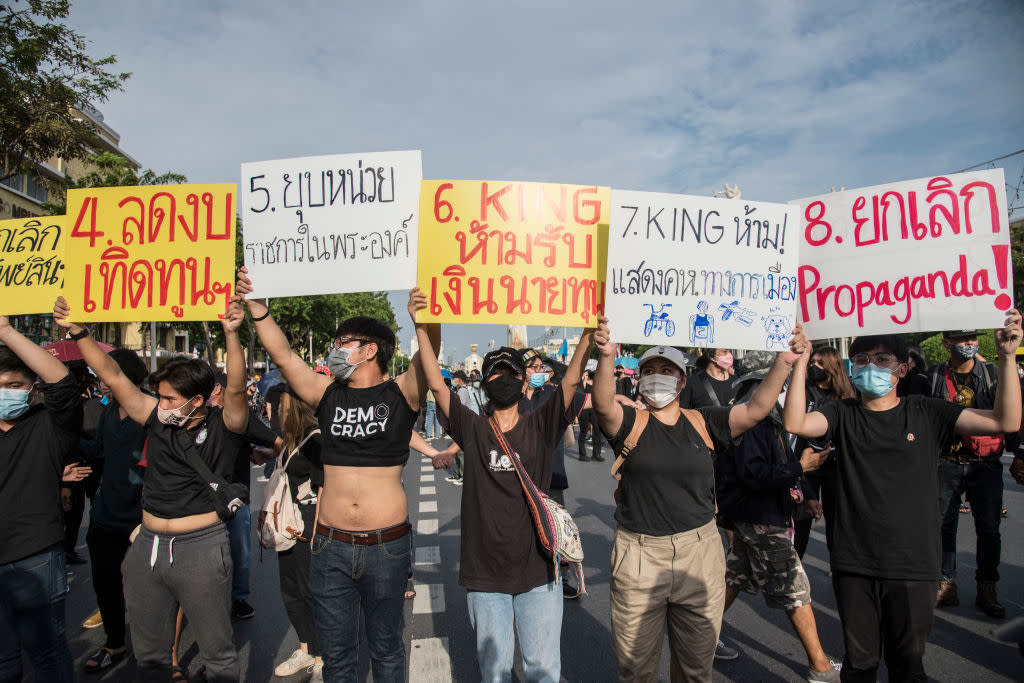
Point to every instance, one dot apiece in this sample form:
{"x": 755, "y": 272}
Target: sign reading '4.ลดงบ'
{"x": 161, "y": 252}
{"x": 506, "y": 252}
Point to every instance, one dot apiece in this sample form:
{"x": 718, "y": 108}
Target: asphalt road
{"x": 440, "y": 641}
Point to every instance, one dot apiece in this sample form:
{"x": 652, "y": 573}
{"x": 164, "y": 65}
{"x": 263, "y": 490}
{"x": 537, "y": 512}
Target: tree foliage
{"x": 107, "y": 169}
{"x": 45, "y": 72}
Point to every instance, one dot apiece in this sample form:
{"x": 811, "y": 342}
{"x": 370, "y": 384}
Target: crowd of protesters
{"x": 750, "y": 447}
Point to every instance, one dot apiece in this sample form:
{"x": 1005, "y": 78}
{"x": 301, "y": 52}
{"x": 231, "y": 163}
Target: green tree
{"x": 107, "y": 169}
{"x": 45, "y": 73}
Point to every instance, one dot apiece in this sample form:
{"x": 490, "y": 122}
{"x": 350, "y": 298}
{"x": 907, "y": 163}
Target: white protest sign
{"x": 701, "y": 271}
{"x": 921, "y": 255}
{"x": 331, "y": 224}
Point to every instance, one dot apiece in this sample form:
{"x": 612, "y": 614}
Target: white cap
{"x": 669, "y": 353}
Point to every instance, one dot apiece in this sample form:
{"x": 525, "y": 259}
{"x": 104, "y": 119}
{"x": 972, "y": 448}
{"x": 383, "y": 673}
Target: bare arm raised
{"x": 136, "y": 404}
{"x": 609, "y": 411}
{"x": 39, "y": 360}
{"x": 1005, "y": 414}
{"x": 236, "y": 407}
{"x": 795, "y": 418}
{"x": 574, "y": 373}
{"x": 426, "y": 356}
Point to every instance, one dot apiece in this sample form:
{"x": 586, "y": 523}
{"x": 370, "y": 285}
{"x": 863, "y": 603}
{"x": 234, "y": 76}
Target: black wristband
{"x": 79, "y": 335}
{"x": 262, "y": 317}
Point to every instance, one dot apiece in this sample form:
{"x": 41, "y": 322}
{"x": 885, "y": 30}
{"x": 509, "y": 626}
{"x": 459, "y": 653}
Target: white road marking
{"x": 428, "y": 490}
{"x": 430, "y": 554}
{"x": 429, "y": 598}
{"x": 429, "y": 661}
{"x": 426, "y": 527}
{"x": 428, "y": 506}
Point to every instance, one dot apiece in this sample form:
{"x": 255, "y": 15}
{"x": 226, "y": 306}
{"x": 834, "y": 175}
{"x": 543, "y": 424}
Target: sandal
{"x": 103, "y": 659}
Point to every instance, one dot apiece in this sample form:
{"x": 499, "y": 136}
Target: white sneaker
{"x": 318, "y": 673}
{"x": 294, "y": 664}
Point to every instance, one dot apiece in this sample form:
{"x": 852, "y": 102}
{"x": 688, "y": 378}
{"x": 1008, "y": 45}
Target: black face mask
{"x": 504, "y": 391}
{"x": 816, "y": 375}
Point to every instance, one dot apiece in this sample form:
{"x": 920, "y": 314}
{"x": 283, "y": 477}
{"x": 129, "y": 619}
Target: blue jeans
{"x": 537, "y": 618}
{"x": 347, "y": 579}
{"x": 983, "y": 483}
{"x": 32, "y": 594}
{"x": 430, "y": 424}
{"x": 240, "y": 538}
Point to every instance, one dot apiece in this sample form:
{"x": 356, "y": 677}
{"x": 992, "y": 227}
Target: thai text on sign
{"x": 31, "y": 264}
{"x": 160, "y": 252}
{"x": 701, "y": 271}
{"x": 506, "y": 252}
{"x": 328, "y": 224}
{"x": 920, "y": 255}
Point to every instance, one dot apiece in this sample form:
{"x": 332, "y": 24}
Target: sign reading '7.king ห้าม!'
{"x": 160, "y": 252}
{"x": 922, "y": 255}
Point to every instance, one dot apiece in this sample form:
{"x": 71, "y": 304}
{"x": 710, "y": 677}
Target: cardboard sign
{"x": 701, "y": 271}
{"x": 512, "y": 253}
{"x": 31, "y": 264}
{"x": 921, "y": 255}
{"x": 158, "y": 252}
{"x": 330, "y": 224}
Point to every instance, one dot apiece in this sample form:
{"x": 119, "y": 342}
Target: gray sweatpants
{"x": 192, "y": 569}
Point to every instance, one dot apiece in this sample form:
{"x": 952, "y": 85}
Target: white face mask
{"x": 174, "y": 417}
{"x": 659, "y": 390}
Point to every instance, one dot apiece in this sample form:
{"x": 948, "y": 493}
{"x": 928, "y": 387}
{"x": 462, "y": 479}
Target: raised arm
{"x": 426, "y": 357}
{"x": 236, "y": 407}
{"x": 1006, "y": 413}
{"x": 795, "y": 418}
{"x": 609, "y": 412}
{"x": 413, "y": 382}
{"x": 136, "y": 404}
{"x": 743, "y": 416}
{"x": 309, "y": 385}
{"x": 39, "y": 360}
{"x": 574, "y": 373}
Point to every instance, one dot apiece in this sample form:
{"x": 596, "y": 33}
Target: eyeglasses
{"x": 880, "y": 359}
{"x": 341, "y": 341}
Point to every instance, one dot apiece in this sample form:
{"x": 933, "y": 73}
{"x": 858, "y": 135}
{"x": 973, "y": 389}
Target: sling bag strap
{"x": 694, "y": 417}
{"x": 534, "y": 498}
{"x": 195, "y": 461}
{"x": 712, "y": 394}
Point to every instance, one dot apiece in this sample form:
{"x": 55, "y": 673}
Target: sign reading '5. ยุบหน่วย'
{"x": 921, "y": 255}
{"x": 330, "y": 224}
{"x": 507, "y": 252}
{"x": 701, "y": 271}
{"x": 31, "y": 264}
{"x": 158, "y": 252}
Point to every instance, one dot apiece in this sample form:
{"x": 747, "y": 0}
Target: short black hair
{"x": 373, "y": 331}
{"x": 10, "y": 362}
{"x": 131, "y": 365}
{"x": 893, "y": 343}
{"x": 188, "y": 376}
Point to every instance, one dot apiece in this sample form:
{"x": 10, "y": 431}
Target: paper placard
{"x": 31, "y": 264}
{"x": 331, "y": 224}
{"x": 921, "y": 255}
{"x": 701, "y": 271}
{"x": 512, "y": 253}
{"x": 154, "y": 252}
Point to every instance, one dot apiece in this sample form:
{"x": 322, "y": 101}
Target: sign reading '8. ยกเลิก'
{"x": 922, "y": 255}
{"x": 512, "y": 253}
{"x": 31, "y": 264}
{"x": 701, "y": 271}
{"x": 158, "y": 252}
{"x": 331, "y": 224}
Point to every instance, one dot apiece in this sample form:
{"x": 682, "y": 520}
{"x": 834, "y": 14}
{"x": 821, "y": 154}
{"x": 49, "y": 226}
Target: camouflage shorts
{"x": 763, "y": 558}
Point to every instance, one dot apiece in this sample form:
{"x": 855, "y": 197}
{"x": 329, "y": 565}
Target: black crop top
{"x": 368, "y": 427}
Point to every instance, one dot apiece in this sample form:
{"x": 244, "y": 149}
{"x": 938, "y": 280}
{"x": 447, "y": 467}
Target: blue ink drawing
{"x": 733, "y": 311}
{"x": 778, "y": 329}
{"x": 702, "y": 325}
{"x": 659, "y": 321}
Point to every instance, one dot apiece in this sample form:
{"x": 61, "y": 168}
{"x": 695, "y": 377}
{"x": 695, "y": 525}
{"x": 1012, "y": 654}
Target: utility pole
{"x": 152, "y": 346}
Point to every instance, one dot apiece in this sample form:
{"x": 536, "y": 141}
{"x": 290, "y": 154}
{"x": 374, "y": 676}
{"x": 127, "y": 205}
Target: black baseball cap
{"x": 505, "y": 356}
{"x": 959, "y": 334}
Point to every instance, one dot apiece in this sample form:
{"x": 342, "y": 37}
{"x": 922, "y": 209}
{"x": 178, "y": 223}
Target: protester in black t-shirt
{"x": 886, "y": 549}
{"x": 181, "y": 554}
{"x": 510, "y": 582}
{"x": 666, "y": 512}
{"x": 711, "y": 385}
{"x": 34, "y": 442}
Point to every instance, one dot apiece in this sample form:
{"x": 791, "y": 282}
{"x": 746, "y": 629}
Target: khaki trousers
{"x": 679, "y": 577}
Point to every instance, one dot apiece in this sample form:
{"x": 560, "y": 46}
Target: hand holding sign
{"x": 61, "y": 311}
{"x": 1009, "y": 336}
{"x": 234, "y": 316}
{"x": 602, "y": 337}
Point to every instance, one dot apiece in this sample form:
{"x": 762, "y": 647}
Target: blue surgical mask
{"x": 13, "y": 403}
{"x": 964, "y": 351}
{"x": 538, "y": 379}
{"x": 872, "y": 380}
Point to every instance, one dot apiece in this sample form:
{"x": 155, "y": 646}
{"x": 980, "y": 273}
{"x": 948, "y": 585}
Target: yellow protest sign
{"x": 512, "y": 253}
{"x": 31, "y": 264}
{"x": 160, "y": 252}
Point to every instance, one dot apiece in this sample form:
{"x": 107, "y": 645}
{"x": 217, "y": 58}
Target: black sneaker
{"x": 240, "y": 609}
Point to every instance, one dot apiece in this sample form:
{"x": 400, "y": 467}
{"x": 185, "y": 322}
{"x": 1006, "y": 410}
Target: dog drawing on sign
{"x": 777, "y": 330}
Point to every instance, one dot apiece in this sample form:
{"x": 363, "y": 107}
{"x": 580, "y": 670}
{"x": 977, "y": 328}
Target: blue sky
{"x": 786, "y": 99}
